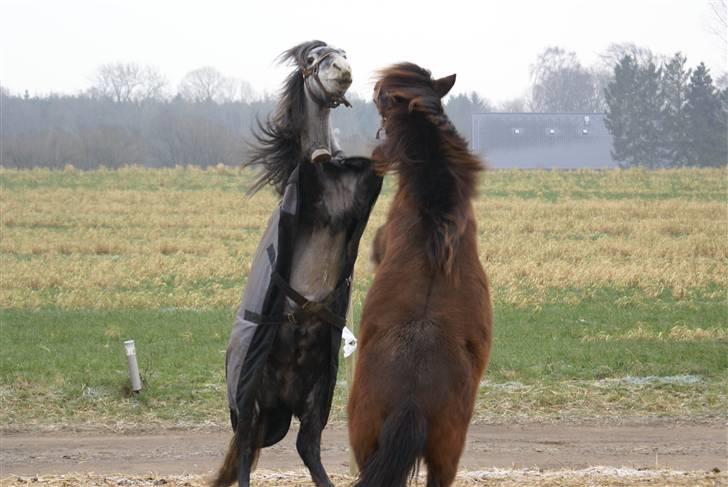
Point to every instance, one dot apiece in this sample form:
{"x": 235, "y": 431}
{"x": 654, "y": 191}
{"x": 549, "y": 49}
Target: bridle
{"x": 332, "y": 100}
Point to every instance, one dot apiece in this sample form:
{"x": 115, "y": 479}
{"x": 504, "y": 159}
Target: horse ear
{"x": 443, "y": 85}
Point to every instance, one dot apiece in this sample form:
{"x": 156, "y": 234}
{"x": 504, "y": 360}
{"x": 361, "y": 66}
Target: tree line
{"x": 128, "y": 116}
{"x": 666, "y": 116}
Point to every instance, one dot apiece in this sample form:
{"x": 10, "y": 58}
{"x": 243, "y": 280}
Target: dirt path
{"x": 550, "y": 447}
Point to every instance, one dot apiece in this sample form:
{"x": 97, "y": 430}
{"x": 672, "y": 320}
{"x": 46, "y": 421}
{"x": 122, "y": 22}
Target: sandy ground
{"x": 698, "y": 448}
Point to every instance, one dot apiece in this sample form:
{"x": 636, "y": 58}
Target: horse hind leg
{"x": 308, "y": 444}
{"x": 249, "y": 450}
{"x": 445, "y": 445}
{"x": 441, "y": 474}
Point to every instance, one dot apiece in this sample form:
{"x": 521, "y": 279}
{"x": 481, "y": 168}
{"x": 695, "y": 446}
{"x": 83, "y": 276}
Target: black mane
{"x": 278, "y": 148}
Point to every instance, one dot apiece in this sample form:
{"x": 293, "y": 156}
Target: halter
{"x": 332, "y": 100}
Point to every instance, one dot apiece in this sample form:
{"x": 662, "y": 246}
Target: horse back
{"x": 424, "y": 335}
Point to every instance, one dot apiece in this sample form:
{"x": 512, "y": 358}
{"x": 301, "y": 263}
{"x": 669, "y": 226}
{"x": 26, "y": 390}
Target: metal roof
{"x": 543, "y": 140}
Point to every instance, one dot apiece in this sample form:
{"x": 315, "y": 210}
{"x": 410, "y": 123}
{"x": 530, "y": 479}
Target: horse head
{"x": 403, "y": 92}
{"x": 299, "y": 128}
{"x": 326, "y": 75}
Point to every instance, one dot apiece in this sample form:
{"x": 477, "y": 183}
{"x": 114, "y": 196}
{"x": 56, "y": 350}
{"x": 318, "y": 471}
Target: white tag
{"x": 349, "y": 342}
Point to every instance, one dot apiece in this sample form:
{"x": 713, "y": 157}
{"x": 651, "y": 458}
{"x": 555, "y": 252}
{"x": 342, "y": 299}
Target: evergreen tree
{"x": 707, "y": 140}
{"x": 460, "y": 109}
{"x": 648, "y": 130}
{"x": 674, "y": 90}
{"x": 622, "y": 96}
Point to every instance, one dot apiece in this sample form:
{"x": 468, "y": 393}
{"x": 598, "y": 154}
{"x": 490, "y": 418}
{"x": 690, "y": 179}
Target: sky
{"x": 56, "y": 45}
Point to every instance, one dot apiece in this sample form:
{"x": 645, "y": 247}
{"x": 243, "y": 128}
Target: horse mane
{"x": 278, "y": 148}
{"x": 431, "y": 158}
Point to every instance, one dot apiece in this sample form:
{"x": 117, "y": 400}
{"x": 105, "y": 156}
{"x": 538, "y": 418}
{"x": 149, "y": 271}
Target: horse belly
{"x": 296, "y": 363}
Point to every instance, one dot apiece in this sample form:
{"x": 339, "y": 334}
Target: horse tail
{"x": 228, "y": 473}
{"x": 401, "y": 444}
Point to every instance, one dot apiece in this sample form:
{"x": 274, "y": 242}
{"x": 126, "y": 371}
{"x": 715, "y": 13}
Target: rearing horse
{"x": 283, "y": 352}
{"x": 425, "y": 328}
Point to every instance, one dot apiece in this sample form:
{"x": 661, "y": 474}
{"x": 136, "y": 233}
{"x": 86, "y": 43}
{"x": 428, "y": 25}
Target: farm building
{"x": 543, "y": 140}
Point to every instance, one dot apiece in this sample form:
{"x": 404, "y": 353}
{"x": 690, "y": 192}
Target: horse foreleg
{"x": 308, "y": 444}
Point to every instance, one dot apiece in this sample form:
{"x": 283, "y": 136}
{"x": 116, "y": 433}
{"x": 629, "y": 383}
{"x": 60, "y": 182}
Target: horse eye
{"x": 309, "y": 60}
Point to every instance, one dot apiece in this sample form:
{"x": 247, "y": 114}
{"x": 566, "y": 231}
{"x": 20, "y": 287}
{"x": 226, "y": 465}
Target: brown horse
{"x": 426, "y": 324}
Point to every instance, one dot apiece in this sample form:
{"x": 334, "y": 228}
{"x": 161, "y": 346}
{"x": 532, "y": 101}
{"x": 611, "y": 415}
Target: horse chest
{"x": 317, "y": 262}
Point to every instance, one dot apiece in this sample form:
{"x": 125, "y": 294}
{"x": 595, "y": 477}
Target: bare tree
{"x": 613, "y": 54}
{"x": 721, "y": 82}
{"x": 128, "y": 82}
{"x": 154, "y": 84}
{"x": 518, "y": 104}
{"x": 718, "y": 25}
{"x": 559, "y": 83}
{"x": 246, "y": 92}
{"x": 207, "y": 84}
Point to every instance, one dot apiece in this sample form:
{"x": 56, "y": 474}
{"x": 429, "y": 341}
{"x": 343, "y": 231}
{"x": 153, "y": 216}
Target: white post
{"x": 350, "y": 365}
{"x": 136, "y": 381}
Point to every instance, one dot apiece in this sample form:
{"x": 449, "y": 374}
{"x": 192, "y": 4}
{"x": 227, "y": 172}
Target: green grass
{"x": 61, "y": 367}
{"x": 556, "y": 342}
{"x": 70, "y": 366}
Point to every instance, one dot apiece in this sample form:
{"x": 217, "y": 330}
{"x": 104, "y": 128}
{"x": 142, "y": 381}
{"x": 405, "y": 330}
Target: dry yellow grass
{"x": 680, "y": 333}
{"x": 159, "y": 244}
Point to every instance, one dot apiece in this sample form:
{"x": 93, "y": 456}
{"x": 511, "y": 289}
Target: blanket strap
{"x": 317, "y": 308}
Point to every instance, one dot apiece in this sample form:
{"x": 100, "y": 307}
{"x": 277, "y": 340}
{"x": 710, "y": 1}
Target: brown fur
{"x": 425, "y": 330}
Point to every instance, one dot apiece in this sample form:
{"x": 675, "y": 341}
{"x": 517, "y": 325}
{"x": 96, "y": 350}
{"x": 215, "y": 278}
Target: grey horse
{"x": 282, "y": 357}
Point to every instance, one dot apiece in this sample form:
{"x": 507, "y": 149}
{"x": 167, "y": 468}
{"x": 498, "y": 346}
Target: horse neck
{"x": 437, "y": 177}
{"x": 437, "y": 173}
{"x": 316, "y": 131}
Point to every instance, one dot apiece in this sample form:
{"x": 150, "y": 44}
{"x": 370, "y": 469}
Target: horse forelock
{"x": 405, "y": 83}
{"x": 297, "y": 54}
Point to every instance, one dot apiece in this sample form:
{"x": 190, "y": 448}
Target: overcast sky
{"x": 56, "y": 45}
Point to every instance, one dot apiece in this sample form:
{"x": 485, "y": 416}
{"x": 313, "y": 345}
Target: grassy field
{"x": 609, "y": 289}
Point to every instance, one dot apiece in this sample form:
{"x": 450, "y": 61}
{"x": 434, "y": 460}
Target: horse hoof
{"x": 321, "y": 155}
